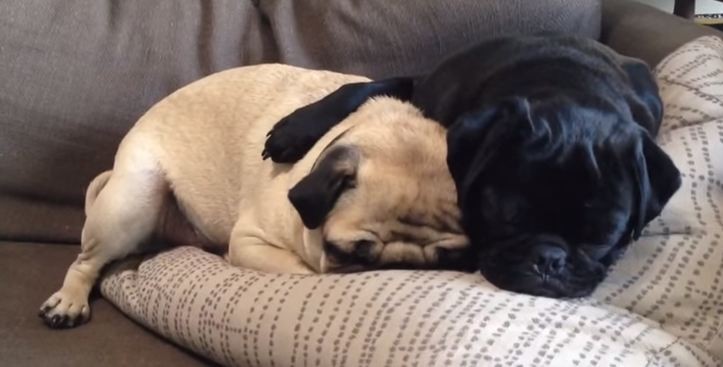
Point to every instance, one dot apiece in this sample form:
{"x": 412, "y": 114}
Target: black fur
{"x": 551, "y": 148}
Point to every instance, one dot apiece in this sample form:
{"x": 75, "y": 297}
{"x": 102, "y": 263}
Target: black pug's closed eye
{"x": 550, "y": 144}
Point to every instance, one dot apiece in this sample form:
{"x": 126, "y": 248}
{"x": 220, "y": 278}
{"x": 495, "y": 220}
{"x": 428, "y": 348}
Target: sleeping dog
{"x": 373, "y": 192}
{"x": 551, "y": 148}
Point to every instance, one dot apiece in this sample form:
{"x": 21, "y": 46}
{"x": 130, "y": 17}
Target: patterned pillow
{"x": 661, "y": 305}
{"x": 675, "y": 275}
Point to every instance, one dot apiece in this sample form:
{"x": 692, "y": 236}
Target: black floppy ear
{"x": 315, "y": 195}
{"x": 657, "y": 180}
{"x": 474, "y": 139}
{"x": 645, "y": 105}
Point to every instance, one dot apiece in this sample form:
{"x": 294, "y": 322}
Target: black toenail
{"x": 55, "y": 320}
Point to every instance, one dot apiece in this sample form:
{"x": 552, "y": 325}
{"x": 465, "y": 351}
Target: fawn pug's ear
{"x": 315, "y": 195}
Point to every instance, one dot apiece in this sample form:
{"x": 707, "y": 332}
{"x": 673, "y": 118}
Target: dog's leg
{"x": 123, "y": 214}
{"x": 253, "y": 253}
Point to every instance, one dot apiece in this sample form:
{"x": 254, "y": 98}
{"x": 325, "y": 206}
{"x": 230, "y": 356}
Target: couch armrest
{"x": 639, "y": 30}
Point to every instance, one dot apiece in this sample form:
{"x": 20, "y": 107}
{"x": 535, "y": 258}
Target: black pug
{"x": 550, "y": 146}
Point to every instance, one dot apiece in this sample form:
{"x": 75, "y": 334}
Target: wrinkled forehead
{"x": 397, "y": 134}
{"x": 399, "y": 210}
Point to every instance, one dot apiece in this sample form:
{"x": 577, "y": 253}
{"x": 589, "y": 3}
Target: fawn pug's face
{"x": 382, "y": 196}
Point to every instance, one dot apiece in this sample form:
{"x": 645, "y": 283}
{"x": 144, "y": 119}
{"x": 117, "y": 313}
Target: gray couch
{"x": 76, "y": 74}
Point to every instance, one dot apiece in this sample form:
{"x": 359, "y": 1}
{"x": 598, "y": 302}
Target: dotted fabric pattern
{"x": 673, "y": 275}
{"x": 662, "y": 304}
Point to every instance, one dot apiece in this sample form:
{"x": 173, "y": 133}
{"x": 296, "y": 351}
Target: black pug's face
{"x": 551, "y": 195}
{"x": 550, "y": 227}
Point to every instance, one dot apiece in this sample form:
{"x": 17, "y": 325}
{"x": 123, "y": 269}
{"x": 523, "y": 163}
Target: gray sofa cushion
{"x": 381, "y": 38}
{"x": 76, "y": 74}
{"x": 29, "y": 272}
{"x": 641, "y": 31}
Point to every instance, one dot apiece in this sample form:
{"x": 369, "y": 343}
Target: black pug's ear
{"x": 474, "y": 139}
{"x": 657, "y": 179}
{"x": 645, "y": 105}
{"x": 315, "y": 195}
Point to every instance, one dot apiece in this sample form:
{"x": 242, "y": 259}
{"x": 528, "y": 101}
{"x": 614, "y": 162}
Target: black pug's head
{"x": 551, "y": 192}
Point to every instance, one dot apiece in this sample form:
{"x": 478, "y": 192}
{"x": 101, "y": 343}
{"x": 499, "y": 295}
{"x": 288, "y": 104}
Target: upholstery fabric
{"x": 674, "y": 274}
{"x": 29, "y": 272}
{"x": 76, "y": 74}
{"x": 381, "y": 38}
{"x": 661, "y": 305}
{"x": 239, "y": 317}
{"x": 645, "y": 32}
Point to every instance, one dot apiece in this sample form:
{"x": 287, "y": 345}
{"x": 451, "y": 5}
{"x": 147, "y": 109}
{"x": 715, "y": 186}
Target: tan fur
{"x": 196, "y": 155}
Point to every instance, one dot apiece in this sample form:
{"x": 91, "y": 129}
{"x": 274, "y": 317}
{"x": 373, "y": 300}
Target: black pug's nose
{"x": 547, "y": 260}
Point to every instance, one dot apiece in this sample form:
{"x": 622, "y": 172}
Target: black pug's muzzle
{"x": 551, "y": 194}
{"x": 542, "y": 266}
